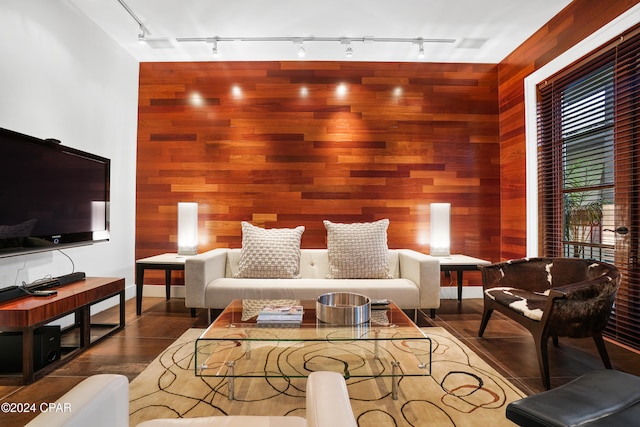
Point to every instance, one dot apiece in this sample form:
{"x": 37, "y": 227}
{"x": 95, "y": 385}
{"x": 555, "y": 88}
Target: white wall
{"x": 62, "y": 77}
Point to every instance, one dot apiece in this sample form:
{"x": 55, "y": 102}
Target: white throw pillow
{"x": 358, "y": 251}
{"x": 270, "y": 253}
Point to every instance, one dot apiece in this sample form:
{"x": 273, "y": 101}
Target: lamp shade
{"x": 187, "y": 228}
{"x": 440, "y": 229}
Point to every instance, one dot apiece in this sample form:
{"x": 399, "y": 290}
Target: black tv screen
{"x": 51, "y": 196}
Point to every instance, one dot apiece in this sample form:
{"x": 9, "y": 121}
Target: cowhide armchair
{"x": 552, "y": 297}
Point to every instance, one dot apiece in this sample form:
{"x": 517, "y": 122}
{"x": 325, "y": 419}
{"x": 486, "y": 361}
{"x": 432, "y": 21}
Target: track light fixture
{"x": 142, "y": 35}
{"x": 214, "y": 49}
{"x": 349, "y": 51}
{"x": 302, "y": 40}
{"x": 301, "y": 50}
{"x": 143, "y": 31}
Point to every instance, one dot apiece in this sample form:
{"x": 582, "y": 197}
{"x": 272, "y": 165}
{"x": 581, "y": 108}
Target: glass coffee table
{"x": 236, "y": 346}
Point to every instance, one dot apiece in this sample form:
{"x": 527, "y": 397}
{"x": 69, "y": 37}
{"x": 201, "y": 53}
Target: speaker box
{"x": 46, "y": 349}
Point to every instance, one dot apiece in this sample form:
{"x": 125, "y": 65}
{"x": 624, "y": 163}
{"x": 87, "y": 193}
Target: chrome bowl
{"x": 343, "y": 308}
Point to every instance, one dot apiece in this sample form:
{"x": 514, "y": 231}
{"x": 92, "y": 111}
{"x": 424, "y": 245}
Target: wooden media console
{"x": 25, "y": 315}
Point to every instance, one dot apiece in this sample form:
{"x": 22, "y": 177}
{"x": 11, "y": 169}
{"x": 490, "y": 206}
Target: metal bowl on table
{"x": 343, "y": 308}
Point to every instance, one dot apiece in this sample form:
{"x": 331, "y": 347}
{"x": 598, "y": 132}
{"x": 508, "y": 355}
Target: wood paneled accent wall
{"x": 577, "y": 21}
{"x": 282, "y": 144}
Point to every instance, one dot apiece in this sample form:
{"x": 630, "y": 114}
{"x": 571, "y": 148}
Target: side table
{"x": 460, "y": 263}
{"x": 167, "y": 262}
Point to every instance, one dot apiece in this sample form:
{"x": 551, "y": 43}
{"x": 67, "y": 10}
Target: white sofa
{"x": 98, "y": 401}
{"x": 103, "y": 401}
{"x": 327, "y": 405}
{"x": 210, "y": 282}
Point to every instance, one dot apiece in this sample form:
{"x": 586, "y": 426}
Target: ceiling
{"x": 451, "y": 30}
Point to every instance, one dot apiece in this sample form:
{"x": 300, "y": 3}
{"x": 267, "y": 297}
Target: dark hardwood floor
{"x": 506, "y": 346}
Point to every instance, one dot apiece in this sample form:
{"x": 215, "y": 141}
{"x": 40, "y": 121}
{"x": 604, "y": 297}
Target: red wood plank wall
{"x": 578, "y": 20}
{"x": 276, "y": 144}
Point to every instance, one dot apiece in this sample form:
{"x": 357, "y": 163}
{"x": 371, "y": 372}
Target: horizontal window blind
{"x": 625, "y": 322}
{"x": 589, "y": 170}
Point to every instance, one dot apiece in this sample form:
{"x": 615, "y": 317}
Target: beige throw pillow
{"x": 270, "y": 253}
{"x": 358, "y": 251}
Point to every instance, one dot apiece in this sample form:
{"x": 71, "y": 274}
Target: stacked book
{"x": 275, "y": 315}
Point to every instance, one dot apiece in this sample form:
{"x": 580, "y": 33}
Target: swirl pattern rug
{"x": 462, "y": 390}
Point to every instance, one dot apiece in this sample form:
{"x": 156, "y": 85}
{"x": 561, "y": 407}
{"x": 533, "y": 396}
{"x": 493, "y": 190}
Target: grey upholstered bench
{"x": 599, "y": 398}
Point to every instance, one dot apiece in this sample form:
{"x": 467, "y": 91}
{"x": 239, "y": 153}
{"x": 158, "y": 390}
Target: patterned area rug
{"x": 462, "y": 391}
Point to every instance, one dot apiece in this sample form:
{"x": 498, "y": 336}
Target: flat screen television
{"x": 51, "y": 196}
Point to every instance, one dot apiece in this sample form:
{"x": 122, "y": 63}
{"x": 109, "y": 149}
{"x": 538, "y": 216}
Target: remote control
{"x": 43, "y": 293}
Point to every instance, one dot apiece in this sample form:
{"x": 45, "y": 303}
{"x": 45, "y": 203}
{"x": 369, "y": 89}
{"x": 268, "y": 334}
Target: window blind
{"x": 589, "y": 170}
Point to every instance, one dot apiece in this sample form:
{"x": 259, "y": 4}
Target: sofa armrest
{"x": 424, "y": 271}
{"x": 99, "y": 400}
{"x": 199, "y": 270}
{"x": 328, "y": 403}
{"x": 586, "y": 289}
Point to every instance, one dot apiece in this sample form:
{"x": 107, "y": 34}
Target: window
{"x": 589, "y": 170}
{"x": 586, "y": 127}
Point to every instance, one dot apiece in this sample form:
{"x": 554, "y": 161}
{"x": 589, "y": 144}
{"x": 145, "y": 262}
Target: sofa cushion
{"x": 358, "y": 250}
{"x": 529, "y": 304}
{"x": 269, "y": 253}
{"x": 220, "y": 292}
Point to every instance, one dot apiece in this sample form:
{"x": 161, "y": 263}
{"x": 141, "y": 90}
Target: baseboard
{"x": 451, "y": 292}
